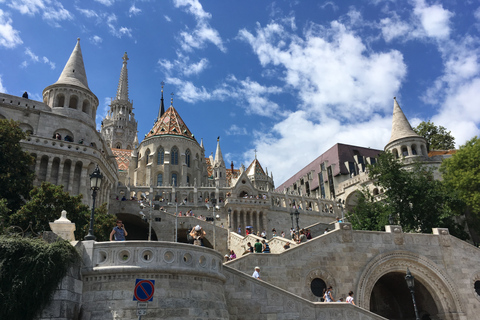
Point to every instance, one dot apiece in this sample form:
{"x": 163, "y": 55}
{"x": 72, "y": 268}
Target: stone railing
{"x": 277, "y": 244}
{"x": 153, "y": 256}
{"x": 22, "y": 102}
{"x": 247, "y": 201}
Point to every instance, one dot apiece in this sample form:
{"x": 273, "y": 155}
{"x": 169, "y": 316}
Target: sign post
{"x": 143, "y": 292}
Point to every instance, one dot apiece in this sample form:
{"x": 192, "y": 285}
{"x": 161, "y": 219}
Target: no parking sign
{"x": 144, "y": 290}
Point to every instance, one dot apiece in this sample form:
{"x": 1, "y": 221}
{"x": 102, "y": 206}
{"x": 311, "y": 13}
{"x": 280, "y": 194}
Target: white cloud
{"x": 167, "y": 18}
{"x": 106, "y": 2}
{"x": 9, "y": 37}
{"x": 332, "y": 69}
{"x": 52, "y": 10}
{"x": 182, "y": 65}
{"x": 50, "y": 63}
{"x": 236, "y": 130}
{"x": 2, "y": 88}
{"x": 96, "y": 39}
{"x": 31, "y": 55}
{"x": 393, "y": 28}
{"x": 103, "y": 112}
{"x": 134, "y": 10}
{"x": 434, "y": 19}
{"x": 125, "y": 31}
{"x": 203, "y": 32}
{"x": 88, "y": 12}
{"x": 111, "y": 21}
{"x": 194, "y": 7}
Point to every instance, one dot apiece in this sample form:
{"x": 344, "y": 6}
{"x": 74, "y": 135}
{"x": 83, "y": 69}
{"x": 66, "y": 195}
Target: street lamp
{"x": 214, "y": 202}
{"x": 411, "y": 285}
{"x": 341, "y": 205}
{"x": 291, "y": 217}
{"x": 95, "y": 182}
{"x": 229, "y": 218}
{"x": 297, "y": 214}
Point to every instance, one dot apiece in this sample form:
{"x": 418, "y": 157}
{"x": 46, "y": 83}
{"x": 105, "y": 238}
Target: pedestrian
{"x": 350, "y": 298}
{"x": 308, "y": 234}
{"x": 232, "y": 255}
{"x": 266, "y": 248}
{"x": 302, "y": 237}
{"x": 326, "y": 231}
{"x": 258, "y": 246}
{"x": 198, "y": 234}
{"x": 119, "y": 232}
{"x": 250, "y": 248}
{"x": 256, "y": 273}
{"x": 328, "y": 295}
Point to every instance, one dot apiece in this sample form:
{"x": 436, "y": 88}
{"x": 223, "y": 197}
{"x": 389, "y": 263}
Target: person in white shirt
{"x": 256, "y": 273}
{"x": 350, "y": 298}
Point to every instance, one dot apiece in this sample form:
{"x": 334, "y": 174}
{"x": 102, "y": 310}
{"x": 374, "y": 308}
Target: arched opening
{"x": 187, "y": 158}
{"x": 160, "y": 155}
{"x": 404, "y": 151}
{"x": 395, "y": 153}
{"x": 86, "y": 106}
{"x": 318, "y": 287}
{"x": 73, "y": 102}
{"x": 392, "y": 299}
{"x": 174, "y": 156}
{"x": 59, "y": 101}
{"x": 414, "y": 150}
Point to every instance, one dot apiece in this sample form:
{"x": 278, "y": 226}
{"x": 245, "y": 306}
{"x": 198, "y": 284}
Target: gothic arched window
{"x": 160, "y": 155}
{"x": 174, "y": 179}
{"x": 187, "y": 158}
{"x": 174, "y": 156}
{"x": 159, "y": 180}
{"x": 147, "y": 155}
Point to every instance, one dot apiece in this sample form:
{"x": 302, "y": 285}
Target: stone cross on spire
{"x": 162, "y": 106}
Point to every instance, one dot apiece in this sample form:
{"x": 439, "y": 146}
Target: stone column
{"x": 70, "y": 178}
{"x": 38, "y": 159}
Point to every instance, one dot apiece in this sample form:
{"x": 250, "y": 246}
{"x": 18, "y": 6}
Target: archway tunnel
{"x": 392, "y": 299}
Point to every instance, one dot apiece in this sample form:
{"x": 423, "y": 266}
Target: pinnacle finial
{"x": 171, "y": 100}
{"x": 125, "y": 57}
{"x": 78, "y": 39}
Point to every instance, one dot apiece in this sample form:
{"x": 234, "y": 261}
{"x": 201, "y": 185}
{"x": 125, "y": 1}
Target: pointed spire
{"x": 162, "y": 106}
{"x": 122, "y": 90}
{"x": 400, "y": 126}
{"x": 218, "y": 155}
{"x": 74, "y": 71}
{"x": 201, "y": 143}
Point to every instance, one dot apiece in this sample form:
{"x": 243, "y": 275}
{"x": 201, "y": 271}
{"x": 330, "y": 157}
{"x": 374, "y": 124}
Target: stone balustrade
{"x": 154, "y": 256}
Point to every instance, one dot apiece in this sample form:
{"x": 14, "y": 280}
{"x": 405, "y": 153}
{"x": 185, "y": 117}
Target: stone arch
{"x": 414, "y": 149}
{"x": 404, "y": 151}
{"x": 73, "y": 103}
{"x": 28, "y": 129}
{"x": 437, "y": 283}
{"x": 86, "y": 106}
{"x": 59, "y": 101}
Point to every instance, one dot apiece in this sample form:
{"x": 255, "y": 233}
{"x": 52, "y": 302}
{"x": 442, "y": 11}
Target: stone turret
{"x": 219, "y": 169}
{"x": 119, "y": 128}
{"x": 70, "y": 95}
{"x": 404, "y": 142}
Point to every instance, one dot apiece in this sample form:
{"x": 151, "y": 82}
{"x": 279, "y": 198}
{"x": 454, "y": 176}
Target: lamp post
{"x": 291, "y": 217}
{"x": 411, "y": 285}
{"x": 341, "y": 206}
{"x": 95, "y": 182}
{"x": 176, "y": 209}
{"x": 229, "y": 218}
{"x": 297, "y": 214}
{"x": 214, "y": 202}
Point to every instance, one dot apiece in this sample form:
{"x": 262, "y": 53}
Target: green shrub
{"x": 30, "y": 272}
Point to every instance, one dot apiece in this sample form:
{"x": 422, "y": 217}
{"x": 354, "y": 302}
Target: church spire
{"x": 122, "y": 90}
{"x": 218, "y": 155}
{"x": 400, "y": 126}
{"x": 162, "y": 106}
{"x": 74, "y": 71}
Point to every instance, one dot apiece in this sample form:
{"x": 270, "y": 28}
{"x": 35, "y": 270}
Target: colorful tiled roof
{"x": 170, "y": 123}
{"x": 123, "y": 158}
{"x": 255, "y": 168}
{"x": 433, "y": 153}
{"x": 209, "y": 167}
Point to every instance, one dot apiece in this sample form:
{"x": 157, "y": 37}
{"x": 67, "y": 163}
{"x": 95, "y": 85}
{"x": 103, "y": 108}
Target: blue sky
{"x": 286, "y": 78}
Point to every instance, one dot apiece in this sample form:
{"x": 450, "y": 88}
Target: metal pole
{"x": 150, "y": 225}
{"x": 176, "y": 221}
{"x": 414, "y": 304}
{"x": 90, "y": 235}
{"x": 214, "y": 231}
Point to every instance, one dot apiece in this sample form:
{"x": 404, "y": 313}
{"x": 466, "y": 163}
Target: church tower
{"x": 219, "y": 169}
{"x": 404, "y": 142}
{"x": 70, "y": 95}
{"x": 119, "y": 128}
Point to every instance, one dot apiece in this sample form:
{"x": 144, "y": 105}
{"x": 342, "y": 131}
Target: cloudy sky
{"x": 288, "y": 79}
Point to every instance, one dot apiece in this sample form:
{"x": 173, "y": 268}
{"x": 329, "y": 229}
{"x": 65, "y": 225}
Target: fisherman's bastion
{"x": 147, "y": 183}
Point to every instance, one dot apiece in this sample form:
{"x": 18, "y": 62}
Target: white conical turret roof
{"x": 400, "y": 126}
{"x": 218, "y": 156}
{"x": 74, "y": 71}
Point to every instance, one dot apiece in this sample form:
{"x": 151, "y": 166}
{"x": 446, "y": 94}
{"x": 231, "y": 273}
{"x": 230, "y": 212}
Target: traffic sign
{"x": 142, "y": 308}
{"x": 144, "y": 290}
